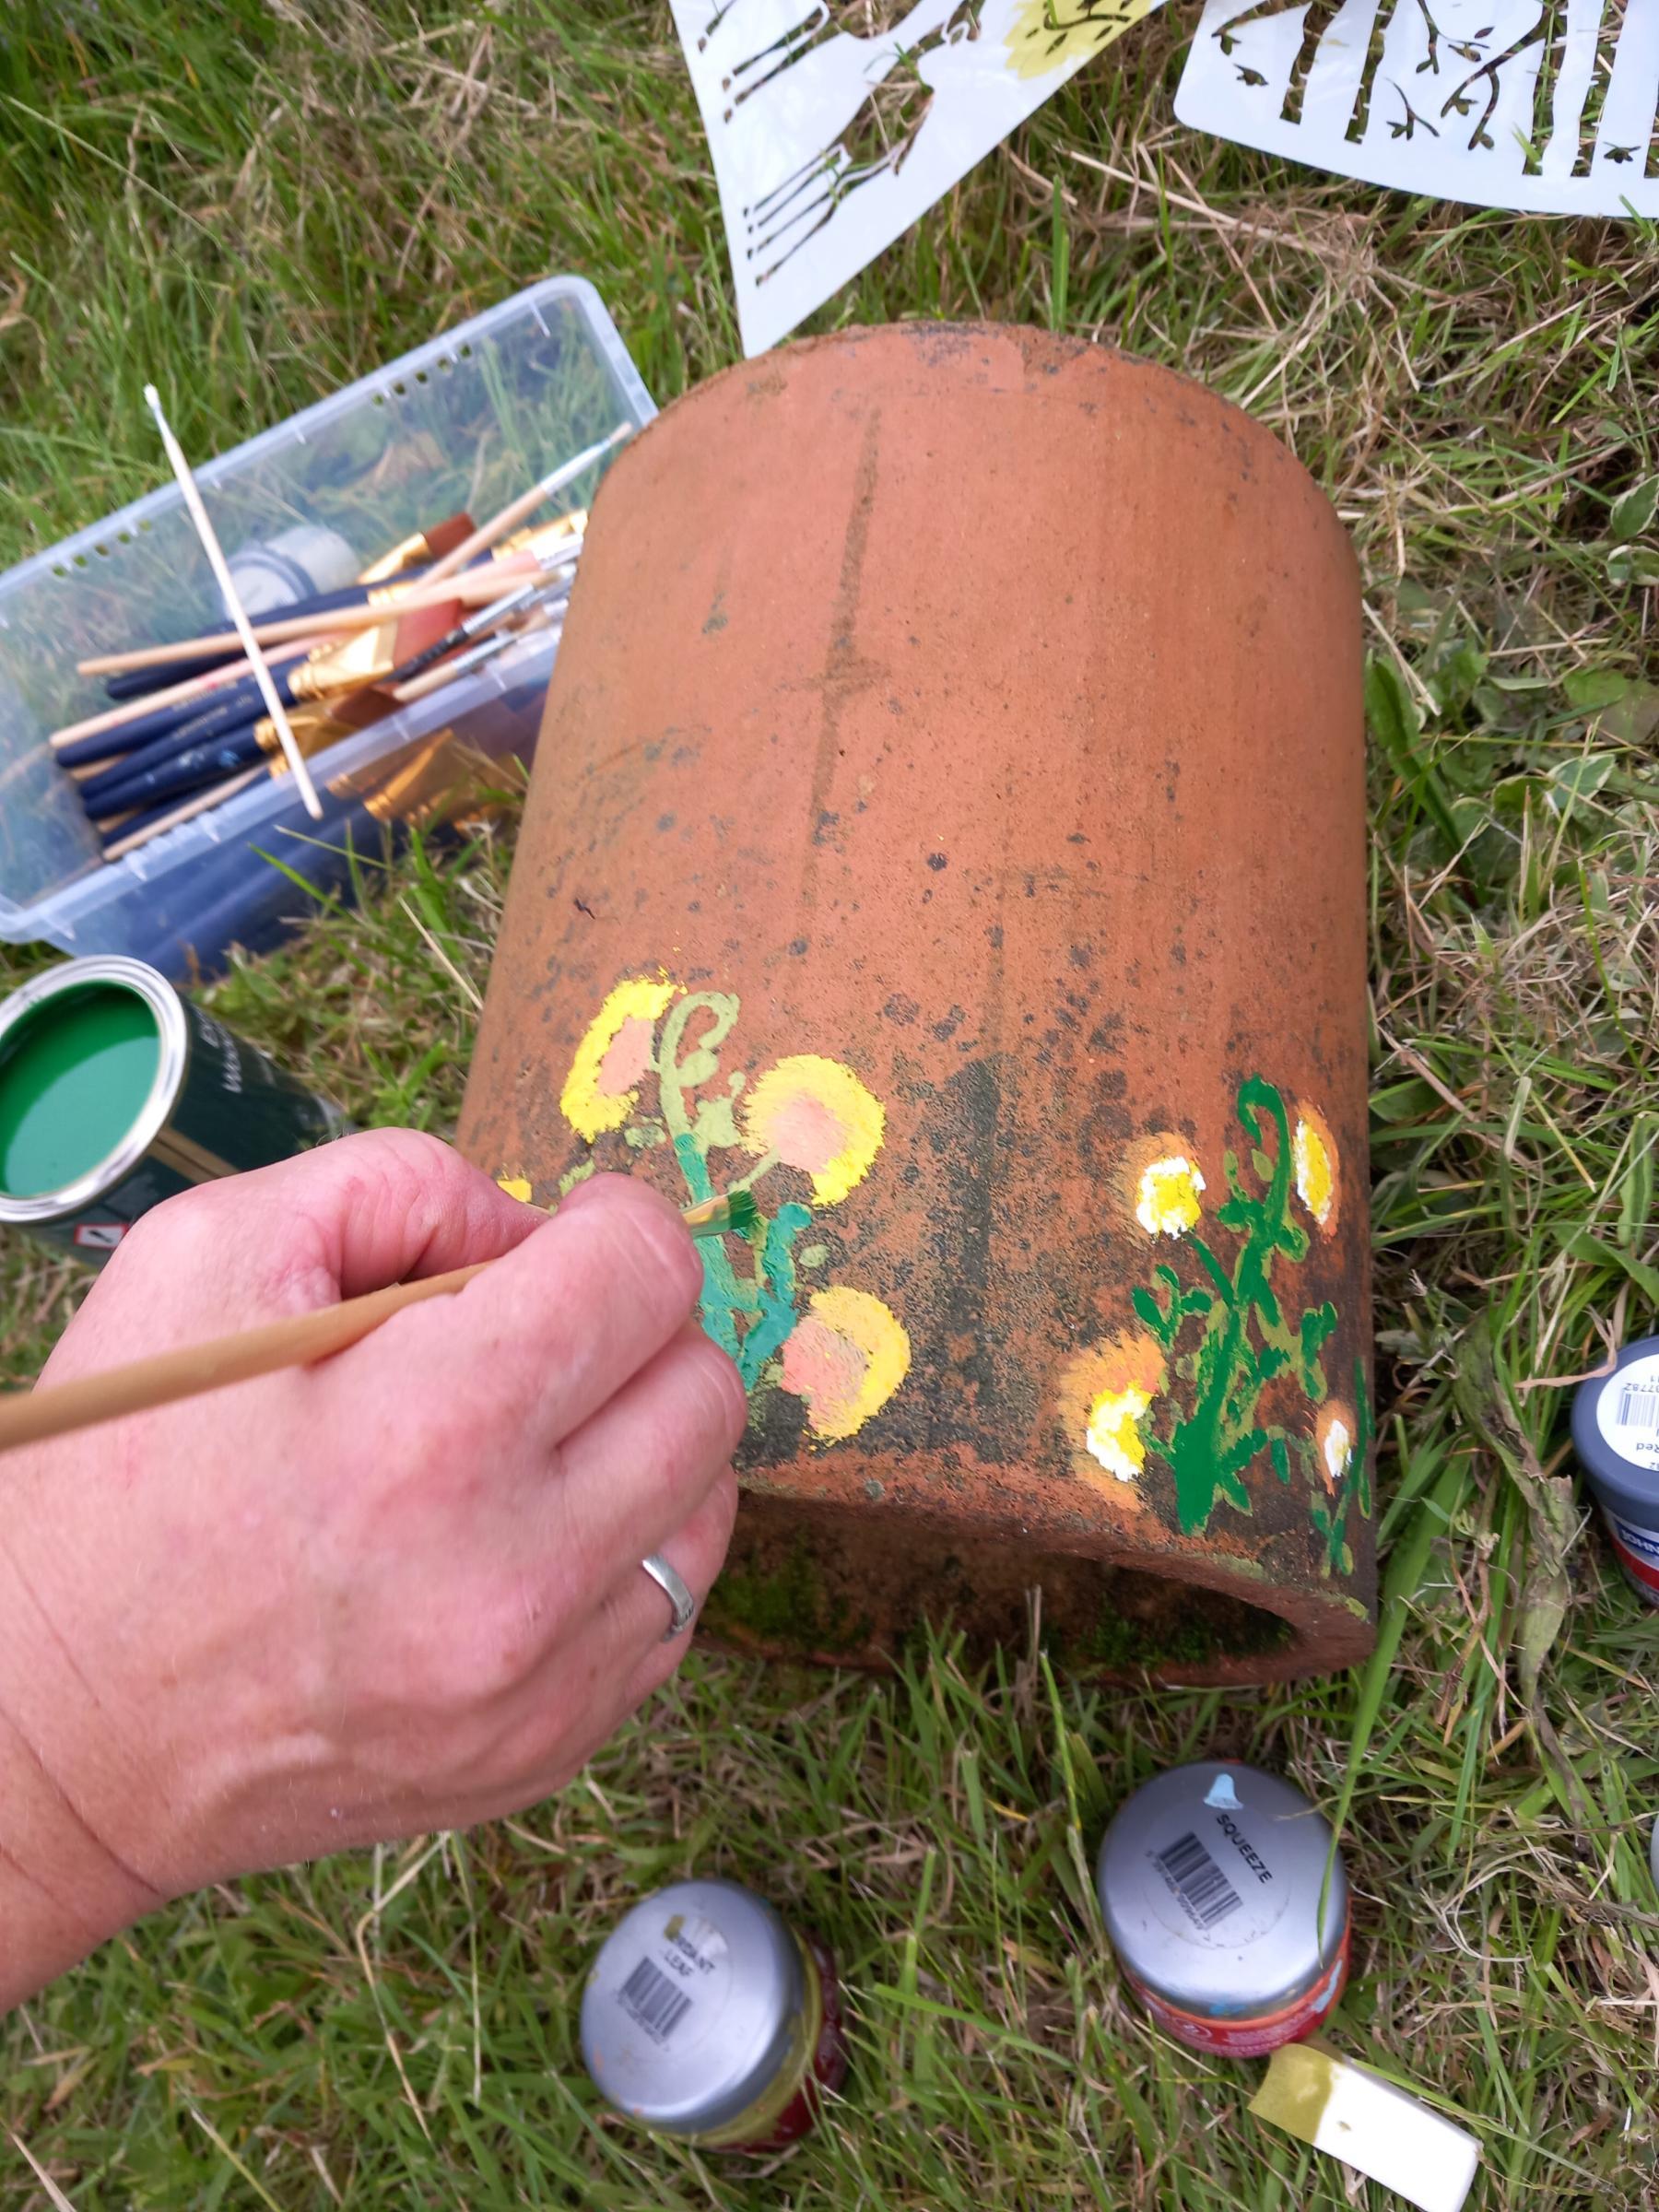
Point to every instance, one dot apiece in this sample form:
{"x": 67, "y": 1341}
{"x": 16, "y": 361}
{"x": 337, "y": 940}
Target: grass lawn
{"x": 256, "y": 201}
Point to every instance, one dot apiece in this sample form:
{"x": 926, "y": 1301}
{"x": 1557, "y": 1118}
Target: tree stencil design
{"x": 876, "y": 141}
{"x": 1464, "y": 99}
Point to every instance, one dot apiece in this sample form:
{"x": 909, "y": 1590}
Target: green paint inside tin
{"x": 74, "y": 1077}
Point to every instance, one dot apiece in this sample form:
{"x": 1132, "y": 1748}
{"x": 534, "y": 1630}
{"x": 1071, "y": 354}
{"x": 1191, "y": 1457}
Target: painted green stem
{"x": 723, "y": 1296}
{"x": 1208, "y": 1450}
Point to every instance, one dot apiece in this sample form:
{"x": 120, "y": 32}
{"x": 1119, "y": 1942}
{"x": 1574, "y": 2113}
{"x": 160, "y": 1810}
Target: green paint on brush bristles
{"x": 735, "y": 1213}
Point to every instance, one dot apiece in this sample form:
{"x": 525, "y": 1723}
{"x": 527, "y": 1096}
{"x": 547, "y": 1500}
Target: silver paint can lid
{"x": 692, "y": 2006}
{"x": 1209, "y": 1881}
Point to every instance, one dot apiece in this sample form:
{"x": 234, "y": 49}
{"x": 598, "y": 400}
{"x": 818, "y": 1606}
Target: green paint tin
{"x": 115, "y": 1093}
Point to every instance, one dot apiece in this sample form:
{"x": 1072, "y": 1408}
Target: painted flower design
{"x": 515, "y": 1186}
{"x": 1105, "y": 1395}
{"x": 1164, "y": 1185}
{"x": 845, "y": 1357}
{"x": 814, "y": 1114}
{"x": 600, "y": 1091}
{"x": 1313, "y": 1158}
{"x": 1335, "y": 1433}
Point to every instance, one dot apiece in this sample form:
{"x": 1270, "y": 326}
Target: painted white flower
{"x": 1333, "y": 1435}
{"x": 1167, "y": 1196}
{"x": 1313, "y": 1161}
{"x": 1113, "y": 1434}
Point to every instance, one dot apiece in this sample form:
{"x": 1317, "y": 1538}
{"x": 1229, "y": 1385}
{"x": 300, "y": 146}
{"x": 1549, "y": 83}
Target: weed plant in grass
{"x": 256, "y": 212}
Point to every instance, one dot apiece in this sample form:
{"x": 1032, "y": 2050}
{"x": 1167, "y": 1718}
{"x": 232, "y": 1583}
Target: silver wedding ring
{"x": 672, "y": 1586}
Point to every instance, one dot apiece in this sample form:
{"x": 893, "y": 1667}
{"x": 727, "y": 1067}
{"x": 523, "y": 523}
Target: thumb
{"x": 351, "y": 1217}
{"x": 381, "y": 1207}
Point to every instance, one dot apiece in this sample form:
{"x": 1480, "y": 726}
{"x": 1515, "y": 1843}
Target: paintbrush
{"x": 470, "y": 590}
{"x": 233, "y": 599}
{"x": 406, "y": 561}
{"x": 140, "y": 829}
{"x": 233, "y": 733}
{"x": 315, "y": 729}
{"x": 28, "y": 1417}
{"x": 142, "y": 720}
{"x": 379, "y": 584}
{"x": 526, "y": 503}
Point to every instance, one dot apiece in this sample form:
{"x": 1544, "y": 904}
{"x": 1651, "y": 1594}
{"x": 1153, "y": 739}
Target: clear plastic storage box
{"x": 463, "y": 423}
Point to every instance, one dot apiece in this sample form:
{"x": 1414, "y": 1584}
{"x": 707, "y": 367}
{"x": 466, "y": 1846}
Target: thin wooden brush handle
{"x": 475, "y": 589}
{"x": 29, "y": 1416}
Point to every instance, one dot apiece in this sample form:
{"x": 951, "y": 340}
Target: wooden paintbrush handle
{"x": 28, "y": 1417}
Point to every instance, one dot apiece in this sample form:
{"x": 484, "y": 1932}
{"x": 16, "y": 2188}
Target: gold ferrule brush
{"x": 314, "y": 733}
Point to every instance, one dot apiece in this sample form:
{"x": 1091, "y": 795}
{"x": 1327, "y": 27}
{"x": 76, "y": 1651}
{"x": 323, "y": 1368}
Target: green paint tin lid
{"x": 92, "y": 1054}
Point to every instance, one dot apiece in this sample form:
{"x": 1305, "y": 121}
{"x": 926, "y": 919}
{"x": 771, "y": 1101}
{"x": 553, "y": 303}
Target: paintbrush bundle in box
{"x": 189, "y": 723}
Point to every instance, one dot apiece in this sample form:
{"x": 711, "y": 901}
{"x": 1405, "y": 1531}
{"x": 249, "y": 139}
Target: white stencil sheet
{"x": 1546, "y": 105}
{"x": 828, "y": 145}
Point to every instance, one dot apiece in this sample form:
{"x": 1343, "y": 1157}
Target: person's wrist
{"x": 65, "y": 1885}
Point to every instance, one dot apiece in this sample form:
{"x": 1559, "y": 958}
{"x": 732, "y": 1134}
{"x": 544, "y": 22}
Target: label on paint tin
{"x": 1214, "y": 1881}
{"x": 100, "y": 1236}
{"x": 1246, "y": 2038}
{"x": 1638, "y": 1550}
{"x": 676, "y": 1989}
{"x": 1626, "y": 1412}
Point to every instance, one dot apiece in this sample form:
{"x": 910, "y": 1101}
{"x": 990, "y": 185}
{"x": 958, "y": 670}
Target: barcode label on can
{"x": 652, "y": 2001}
{"x": 1626, "y": 1412}
{"x": 1205, "y": 1894}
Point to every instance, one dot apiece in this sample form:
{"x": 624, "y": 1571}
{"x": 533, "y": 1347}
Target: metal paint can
{"x": 1210, "y": 1881}
{"x": 116, "y": 1093}
{"x": 303, "y": 560}
{"x": 706, "y": 2017}
{"x": 1615, "y": 1436}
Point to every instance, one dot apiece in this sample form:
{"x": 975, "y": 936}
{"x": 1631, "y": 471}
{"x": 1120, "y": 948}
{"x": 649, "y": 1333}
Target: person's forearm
{"x": 63, "y": 1891}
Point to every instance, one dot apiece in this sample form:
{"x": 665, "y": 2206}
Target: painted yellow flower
{"x": 846, "y": 1356}
{"x": 1313, "y": 1158}
{"x": 815, "y": 1114}
{"x": 1113, "y": 1433}
{"x": 1163, "y": 1184}
{"x": 515, "y": 1186}
{"x": 1105, "y": 1394}
{"x": 1334, "y": 1432}
{"x": 1046, "y": 35}
{"x": 600, "y": 1090}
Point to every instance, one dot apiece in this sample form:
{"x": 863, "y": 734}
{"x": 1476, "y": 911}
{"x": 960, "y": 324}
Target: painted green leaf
{"x": 1148, "y": 1310}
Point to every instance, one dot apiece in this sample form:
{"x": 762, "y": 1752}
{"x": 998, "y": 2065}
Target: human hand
{"x": 393, "y": 1592}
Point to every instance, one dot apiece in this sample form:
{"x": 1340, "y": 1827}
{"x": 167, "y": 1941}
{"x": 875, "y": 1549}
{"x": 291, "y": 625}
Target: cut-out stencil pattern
{"x": 828, "y": 142}
{"x": 1543, "y": 105}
